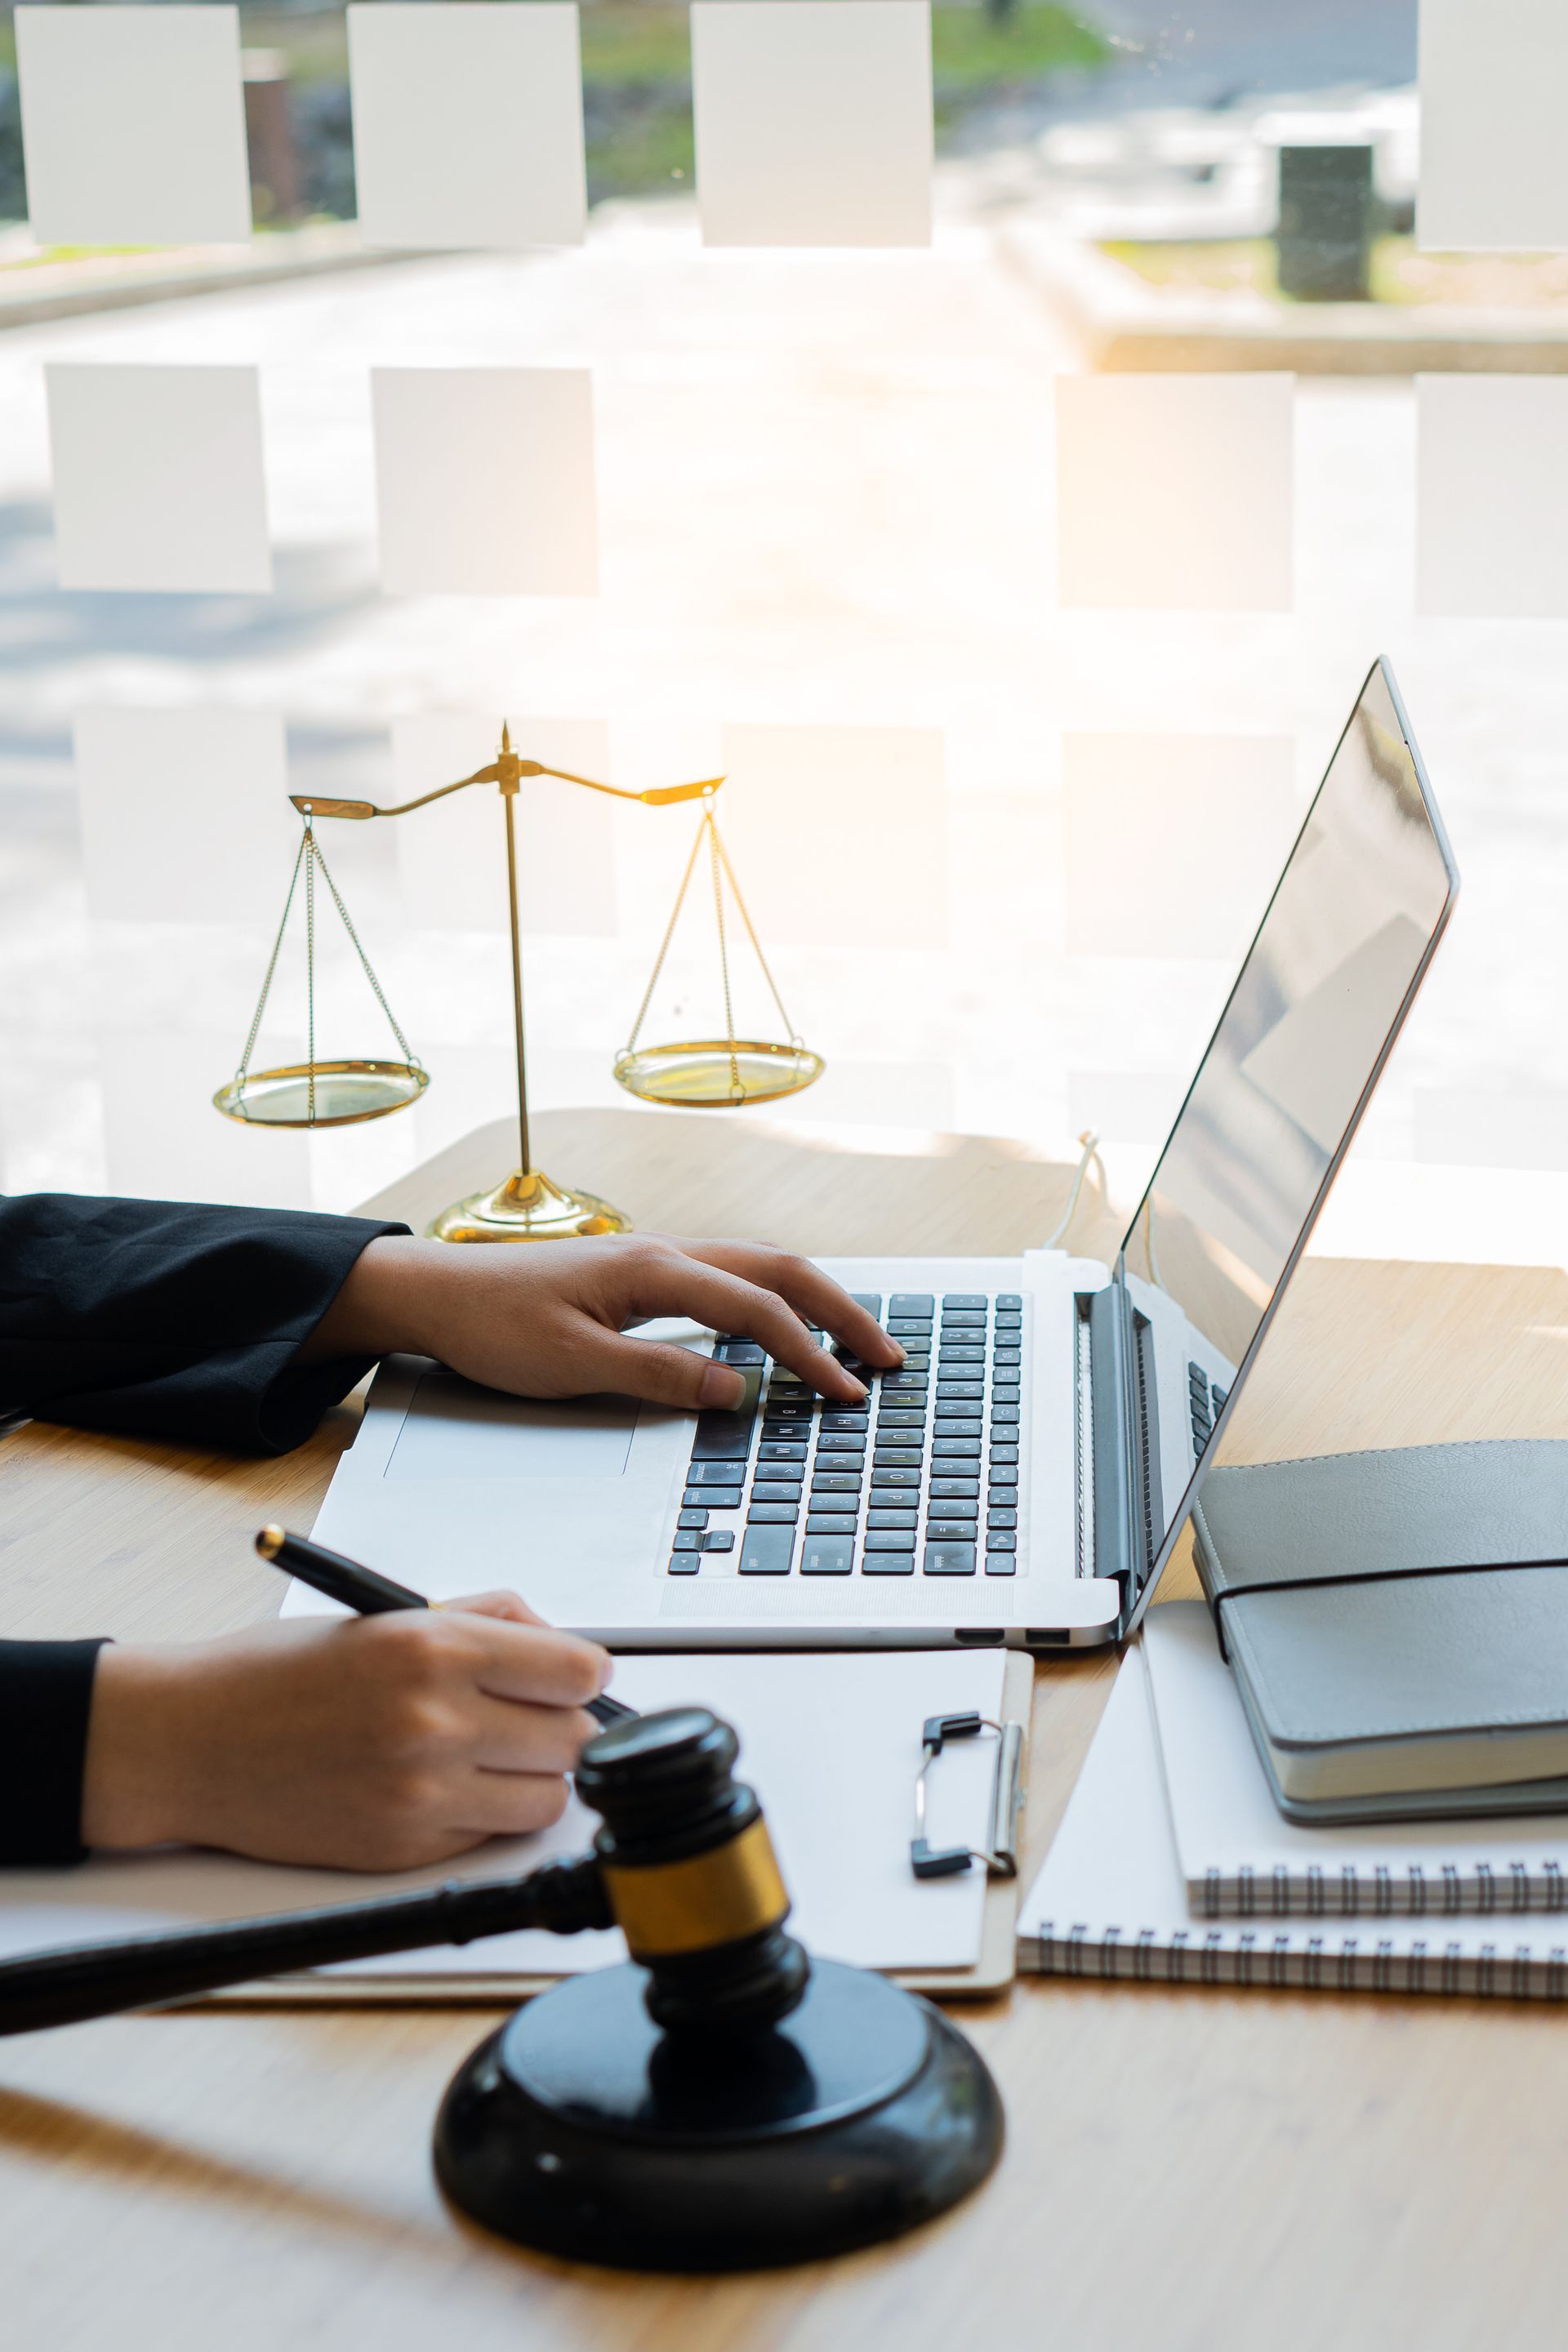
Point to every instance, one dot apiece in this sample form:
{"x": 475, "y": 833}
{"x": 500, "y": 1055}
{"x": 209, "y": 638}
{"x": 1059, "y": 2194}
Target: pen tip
{"x": 270, "y": 1542}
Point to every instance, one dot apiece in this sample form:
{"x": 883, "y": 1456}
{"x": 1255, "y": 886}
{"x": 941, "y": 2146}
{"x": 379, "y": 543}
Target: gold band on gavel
{"x": 694, "y": 1906}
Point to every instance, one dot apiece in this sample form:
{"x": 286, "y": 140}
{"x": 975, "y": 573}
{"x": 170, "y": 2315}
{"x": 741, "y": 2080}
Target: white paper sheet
{"x": 813, "y": 121}
{"x": 1494, "y": 85}
{"x": 1174, "y": 841}
{"x": 133, "y": 125}
{"x": 468, "y": 124}
{"x": 1227, "y": 1823}
{"x": 452, "y": 859}
{"x": 184, "y": 814}
{"x": 831, "y": 1745}
{"x": 809, "y": 812}
{"x": 1176, "y": 492}
{"x": 1492, "y": 495}
{"x": 485, "y": 481}
{"x": 158, "y": 478}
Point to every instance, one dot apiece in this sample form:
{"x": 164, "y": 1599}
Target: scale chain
{"x": 664, "y": 943}
{"x": 790, "y": 1029}
{"x": 737, "y": 1091}
{"x": 408, "y": 1052}
{"x": 311, "y": 967}
{"x": 244, "y": 1070}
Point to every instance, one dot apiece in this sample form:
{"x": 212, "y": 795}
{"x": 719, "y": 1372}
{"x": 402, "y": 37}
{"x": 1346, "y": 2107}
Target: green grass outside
{"x": 1398, "y": 272}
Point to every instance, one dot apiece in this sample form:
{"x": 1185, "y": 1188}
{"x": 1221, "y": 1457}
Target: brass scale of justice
{"x": 703, "y": 1074}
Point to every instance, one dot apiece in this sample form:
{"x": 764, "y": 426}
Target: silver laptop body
{"x": 1026, "y": 1477}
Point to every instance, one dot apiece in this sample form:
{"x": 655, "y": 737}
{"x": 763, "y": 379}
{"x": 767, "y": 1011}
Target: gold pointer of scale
{"x": 711, "y": 1074}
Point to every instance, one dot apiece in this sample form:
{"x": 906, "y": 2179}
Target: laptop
{"x": 1024, "y": 1477}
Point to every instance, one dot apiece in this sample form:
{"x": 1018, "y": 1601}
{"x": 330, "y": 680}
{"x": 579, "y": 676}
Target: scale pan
{"x": 714, "y": 1075}
{"x": 346, "y": 1092}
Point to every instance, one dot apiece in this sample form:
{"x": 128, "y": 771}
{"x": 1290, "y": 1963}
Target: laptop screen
{"x": 1291, "y": 1065}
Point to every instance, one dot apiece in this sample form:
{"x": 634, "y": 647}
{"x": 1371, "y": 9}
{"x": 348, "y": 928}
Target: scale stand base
{"x": 582, "y": 2131}
{"x": 527, "y": 1208}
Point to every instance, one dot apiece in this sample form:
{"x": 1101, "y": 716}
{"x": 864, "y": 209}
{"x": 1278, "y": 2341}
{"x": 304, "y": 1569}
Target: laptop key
{"x": 949, "y": 1530}
{"x": 717, "y": 1539}
{"x": 887, "y": 1563}
{"x": 1008, "y": 1298}
{"x": 778, "y": 1450}
{"x": 692, "y": 1518}
{"x": 1001, "y": 1564}
{"x": 1001, "y": 1542}
{"x": 896, "y": 1457}
{"x": 1007, "y": 1414}
{"x": 890, "y": 1539}
{"x": 712, "y": 1498}
{"x": 954, "y": 1489}
{"x": 841, "y": 1441}
{"x": 871, "y": 1300}
{"x": 896, "y": 1477}
{"x": 684, "y": 1563}
{"x": 714, "y": 1473}
{"x": 836, "y": 1482}
{"x": 767, "y": 1550}
{"x": 775, "y": 1490}
{"x": 950, "y": 1559}
{"x": 880, "y": 1519}
{"x": 956, "y": 1449}
{"x": 738, "y": 1351}
{"x": 828, "y": 1555}
{"x": 964, "y": 1298}
{"x": 773, "y": 1514}
{"x": 845, "y": 1425}
{"x": 686, "y": 1542}
{"x": 830, "y": 1523}
{"x": 727, "y": 1436}
{"x": 1004, "y": 1518}
{"x": 910, "y": 1302}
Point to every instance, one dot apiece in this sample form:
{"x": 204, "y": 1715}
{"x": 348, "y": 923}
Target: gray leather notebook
{"x": 1397, "y": 1624}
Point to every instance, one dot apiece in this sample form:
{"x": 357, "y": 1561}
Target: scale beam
{"x": 506, "y": 772}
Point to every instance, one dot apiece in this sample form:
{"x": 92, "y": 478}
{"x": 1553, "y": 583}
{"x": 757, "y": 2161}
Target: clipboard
{"x": 838, "y": 1744}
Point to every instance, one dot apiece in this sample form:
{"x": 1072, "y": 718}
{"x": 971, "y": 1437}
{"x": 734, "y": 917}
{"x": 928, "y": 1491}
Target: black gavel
{"x": 717, "y": 2103}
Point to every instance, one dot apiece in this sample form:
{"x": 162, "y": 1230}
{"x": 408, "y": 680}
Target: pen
{"x": 362, "y": 1590}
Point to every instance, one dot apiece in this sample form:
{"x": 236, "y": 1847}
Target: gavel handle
{"x": 76, "y": 1981}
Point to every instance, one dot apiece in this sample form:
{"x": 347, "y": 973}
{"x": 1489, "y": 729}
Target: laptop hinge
{"x": 1121, "y": 1515}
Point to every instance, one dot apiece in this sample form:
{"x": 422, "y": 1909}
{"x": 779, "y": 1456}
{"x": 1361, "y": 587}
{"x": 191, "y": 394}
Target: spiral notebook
{"x": 1112, "y": 1901}
{"x": 1239, "y": 1856}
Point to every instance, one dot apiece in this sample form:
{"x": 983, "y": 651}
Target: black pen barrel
{"x": 341, "y": 1579}
{"x": 74, "y": 1982}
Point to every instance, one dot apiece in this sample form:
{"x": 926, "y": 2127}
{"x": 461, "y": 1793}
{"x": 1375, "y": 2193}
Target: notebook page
{"x": 1110, "y": 1903}
{"x": 831, "y": 1744}
{"x": 1239, "y": 1855}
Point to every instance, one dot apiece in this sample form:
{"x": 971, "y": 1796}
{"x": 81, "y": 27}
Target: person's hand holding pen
{"x": 373, "y": 1743}
{"x": 552, "y": 1319}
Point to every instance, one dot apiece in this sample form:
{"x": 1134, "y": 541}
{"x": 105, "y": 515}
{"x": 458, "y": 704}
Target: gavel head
{"x": 688, "y": 1869}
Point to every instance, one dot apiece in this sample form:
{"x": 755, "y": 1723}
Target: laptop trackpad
{"x": 454, "y": 1429}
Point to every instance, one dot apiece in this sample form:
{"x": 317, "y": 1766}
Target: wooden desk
{"x": 1202, "y": 2169}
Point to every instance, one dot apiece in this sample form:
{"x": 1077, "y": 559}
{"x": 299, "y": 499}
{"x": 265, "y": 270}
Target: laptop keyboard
{"x": 921, "y": 1478}
{"x": 1207, "y": 1404}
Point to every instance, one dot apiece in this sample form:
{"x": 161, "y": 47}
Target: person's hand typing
{"x": 551, "y": 1318}
{"x": 366, "y": 1743}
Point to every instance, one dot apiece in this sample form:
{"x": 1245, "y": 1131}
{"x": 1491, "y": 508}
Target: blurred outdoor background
{"x": 1003, "y": 849}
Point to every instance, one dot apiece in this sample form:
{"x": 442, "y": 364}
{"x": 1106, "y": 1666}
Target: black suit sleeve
{"x": 169, "y": 1320}
{"x": 45, "y": 1697}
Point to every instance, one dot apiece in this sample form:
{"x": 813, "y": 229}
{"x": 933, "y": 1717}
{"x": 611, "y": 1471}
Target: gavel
{"x": 717, "y": 2102}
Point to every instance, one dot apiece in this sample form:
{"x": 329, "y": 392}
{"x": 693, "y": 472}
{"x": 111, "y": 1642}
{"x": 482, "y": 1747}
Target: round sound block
{"x": 583, "y": 2131}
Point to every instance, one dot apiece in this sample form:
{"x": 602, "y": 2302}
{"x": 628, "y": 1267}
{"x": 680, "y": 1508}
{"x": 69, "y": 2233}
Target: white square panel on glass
{"x": 468, "y": 124}
{"x": 133, "y": 125}
{"x": 485, "y": 481}
{"x": 1176, "y": 492}
{"x": 813, "y": 121}
{"x": 452, "y": 858}
{"x": 1494, "y": 90}
{"x": 1491, "y": 529}
{"x": 1174, "y": 842}
{"x": 162, "y": 1138}
{"x": 838, "y": 834}
{"x": 158, "y": 478}
{"x": 184, "y": 814}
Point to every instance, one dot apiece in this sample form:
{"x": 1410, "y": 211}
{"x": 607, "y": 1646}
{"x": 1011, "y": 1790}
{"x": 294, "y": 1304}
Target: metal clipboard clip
{"x": 1001, "y": 1853}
